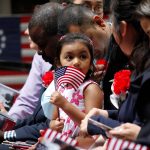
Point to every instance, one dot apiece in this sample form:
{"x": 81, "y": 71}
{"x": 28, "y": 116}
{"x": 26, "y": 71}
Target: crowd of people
{"x": 76, "y": 34}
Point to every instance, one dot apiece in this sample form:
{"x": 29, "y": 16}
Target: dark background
{"x": 27, "y": 6}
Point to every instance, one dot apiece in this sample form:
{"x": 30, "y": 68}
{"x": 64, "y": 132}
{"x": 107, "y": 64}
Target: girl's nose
{"x": 76, "y": 62}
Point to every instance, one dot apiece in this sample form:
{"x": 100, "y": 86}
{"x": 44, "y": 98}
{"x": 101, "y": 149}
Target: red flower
{"x": 47, "y": 78}
{"x": 102, "y": 62}
{"x": 121, "y": 81}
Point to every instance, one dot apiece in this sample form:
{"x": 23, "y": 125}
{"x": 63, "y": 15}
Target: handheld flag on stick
{"x": 70, "y": 75}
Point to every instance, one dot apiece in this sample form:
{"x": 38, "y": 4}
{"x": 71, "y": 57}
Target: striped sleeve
{"x": 10, "y": 135}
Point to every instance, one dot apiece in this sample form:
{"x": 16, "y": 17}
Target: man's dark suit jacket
{"x": 28, "y": 129}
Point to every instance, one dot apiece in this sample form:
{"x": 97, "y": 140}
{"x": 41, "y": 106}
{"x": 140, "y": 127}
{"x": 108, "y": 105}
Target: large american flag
{"x": 70, "y": 75}
{"x": 14, "y": 46}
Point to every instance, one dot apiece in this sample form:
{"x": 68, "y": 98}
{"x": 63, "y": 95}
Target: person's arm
{"x": 28, "y": 132}
{"x": 31, "y": 132}
{"x": 92, "y": 99}
{"x": 27, "y": 100}
{"x": 92, "y": 129}
{"x": 37, "y": 117}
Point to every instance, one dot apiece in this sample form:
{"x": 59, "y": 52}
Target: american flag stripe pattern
{"x": 51, "y": 135}
{"x": 16, "y": 79}
{"x": 119, "y": 144}
{"x": 26, "y": 52}
{"x": 70, "y": 75}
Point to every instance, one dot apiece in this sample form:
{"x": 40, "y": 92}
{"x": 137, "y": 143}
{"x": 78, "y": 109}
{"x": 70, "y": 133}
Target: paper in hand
{"x": 99, "y": 124}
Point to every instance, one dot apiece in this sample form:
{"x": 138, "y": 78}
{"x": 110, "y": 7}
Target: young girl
{"x": 74, "y": 50}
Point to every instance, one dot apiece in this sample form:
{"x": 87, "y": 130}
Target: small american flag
{"x": 70, "y": 75}
{"x": 50, "y": 136}
{"x": 119, "y": 144}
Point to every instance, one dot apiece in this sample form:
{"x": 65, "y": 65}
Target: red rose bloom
{"x": 121, "y": 81}
{"x": 47, "y": 78}
{"x": 102, "y": 62}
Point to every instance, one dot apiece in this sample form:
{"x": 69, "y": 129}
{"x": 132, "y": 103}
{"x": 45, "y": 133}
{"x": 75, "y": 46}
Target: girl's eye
{"x": 68, "y": 58}
{"x": 83, "y": 57}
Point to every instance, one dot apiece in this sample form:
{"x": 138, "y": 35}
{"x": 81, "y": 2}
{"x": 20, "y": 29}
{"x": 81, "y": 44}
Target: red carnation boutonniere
{"x": 47, "y": 78}
{"x": 99, "y": 77}
{"x": 102, "y": 62}
{"x": 120, "y": 86}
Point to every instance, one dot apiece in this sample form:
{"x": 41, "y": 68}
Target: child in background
{"x": 75, "y": 50}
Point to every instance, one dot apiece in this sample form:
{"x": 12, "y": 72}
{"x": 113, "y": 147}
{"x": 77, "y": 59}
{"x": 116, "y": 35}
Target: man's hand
{"x": 127, "y": 131}
{"x": 84, "y": 122}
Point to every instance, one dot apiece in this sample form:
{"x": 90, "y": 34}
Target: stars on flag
{"x": 2, "y": 41}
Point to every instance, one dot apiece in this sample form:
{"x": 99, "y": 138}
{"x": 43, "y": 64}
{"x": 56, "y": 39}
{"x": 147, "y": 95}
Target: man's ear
{"x": 99, "y": 21}
{"x": 123, "y": 28}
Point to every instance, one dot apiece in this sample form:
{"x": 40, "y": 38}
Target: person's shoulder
{"x": 41, "y": 63}
{"x": 91, "y": 85}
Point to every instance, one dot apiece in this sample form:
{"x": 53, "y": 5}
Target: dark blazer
{"x": 136, "y": 108}
{"x": 144, "y": 135}
{"x": 143, "y": 109}
{"x": 116, "y": 62}
{"x": 28, "y": 129}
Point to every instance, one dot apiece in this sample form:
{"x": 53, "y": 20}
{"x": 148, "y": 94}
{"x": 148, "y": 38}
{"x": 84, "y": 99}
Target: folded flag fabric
{"x": 119, "y": 144}
{"x": 51, "y": 135}
{"x": 70, "y": 75}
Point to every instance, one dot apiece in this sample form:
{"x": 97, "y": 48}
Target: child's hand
{"x": 57, "y": 124}
{"x": 57, "y": 99}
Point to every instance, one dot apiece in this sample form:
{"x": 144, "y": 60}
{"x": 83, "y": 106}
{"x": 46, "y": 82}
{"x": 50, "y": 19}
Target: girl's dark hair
{"x": 71, "y": 38}
{"x": 124, "y": 10}
{"x": 140, "y": 58}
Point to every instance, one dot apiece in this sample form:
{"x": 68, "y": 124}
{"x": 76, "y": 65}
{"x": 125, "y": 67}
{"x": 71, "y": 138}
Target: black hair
{"x": 43, "y": 27}
{"x": 62, "y": 1}
{"x": 125, "y": 10}
{"x": 72, "y": 37}
{"x": 74, "y": 15}
{"x": 143, "y": 9}
{"x": 45, "y": 18}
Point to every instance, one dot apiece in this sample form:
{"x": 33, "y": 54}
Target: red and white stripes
{"x": 119, "y": 144}
{"x": 51, "y": 135}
